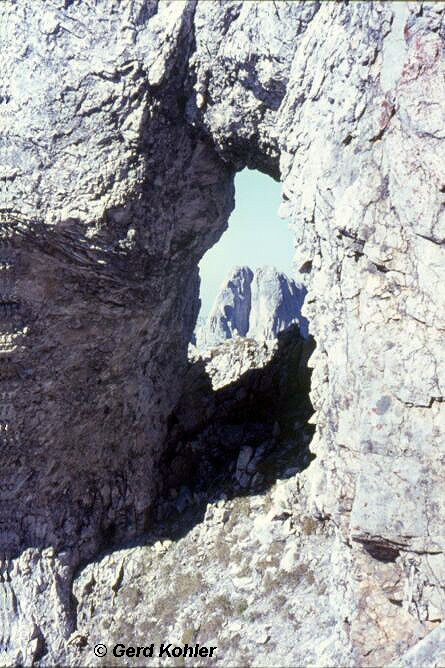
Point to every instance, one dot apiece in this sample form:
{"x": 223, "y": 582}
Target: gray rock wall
{"x": 367, "y": 181}
{"x": 121, "y": 126}
{"x": 91, "y": 231}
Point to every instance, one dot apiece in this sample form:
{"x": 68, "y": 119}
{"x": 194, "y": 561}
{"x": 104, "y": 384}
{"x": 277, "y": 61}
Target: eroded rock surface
{"x": 121, "y": 126}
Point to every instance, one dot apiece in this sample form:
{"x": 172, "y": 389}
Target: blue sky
{"x": 256, "y": 235}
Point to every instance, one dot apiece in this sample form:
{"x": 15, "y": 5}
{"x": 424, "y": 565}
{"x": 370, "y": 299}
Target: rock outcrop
{"x": 231, "y": 460}
{"x": 121, "y": 128}
{"x": 258, "y": 304}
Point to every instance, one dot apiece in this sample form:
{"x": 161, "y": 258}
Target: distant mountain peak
{"x": 256, "y": 303}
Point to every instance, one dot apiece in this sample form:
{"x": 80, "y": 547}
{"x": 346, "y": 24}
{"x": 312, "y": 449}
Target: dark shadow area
{"x": 223, "y": 446}
{"x": 237, "y": 440}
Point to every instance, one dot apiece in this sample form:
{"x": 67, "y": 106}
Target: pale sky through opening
{"x": 256, "y": 236}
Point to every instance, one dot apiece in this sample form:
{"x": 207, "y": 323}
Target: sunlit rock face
{"x": 121, "y": 126}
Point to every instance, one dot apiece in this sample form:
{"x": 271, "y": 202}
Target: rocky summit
{"x": 130, "y": 510}
{"x": 258, "y": 304}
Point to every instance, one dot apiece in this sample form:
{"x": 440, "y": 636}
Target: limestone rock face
{"x": 121, "y": 127}
{"x": 257, "y": 304}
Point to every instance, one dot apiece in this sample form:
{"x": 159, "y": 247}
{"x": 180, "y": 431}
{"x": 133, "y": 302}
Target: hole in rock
{"x": 381, "y": 551}
{"x": 256, "y": 237}
{"x": 242, "y": 421}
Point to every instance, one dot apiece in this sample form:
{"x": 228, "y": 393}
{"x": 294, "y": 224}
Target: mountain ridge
{"x": 257, "y": 303}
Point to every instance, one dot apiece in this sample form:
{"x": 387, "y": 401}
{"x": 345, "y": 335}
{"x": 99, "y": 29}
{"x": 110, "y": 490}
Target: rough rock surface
{"x": 121, "y": 126}
{"x": 231, "y": 538}
{"x": 258, "y": 304}
{"x": 223, "y": 413}
{"x": 227, "y": 361}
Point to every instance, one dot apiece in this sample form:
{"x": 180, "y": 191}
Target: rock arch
{"x": 125, "y": 155}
